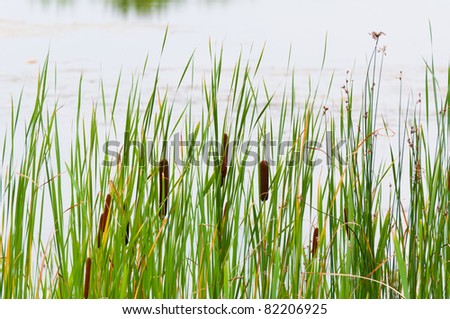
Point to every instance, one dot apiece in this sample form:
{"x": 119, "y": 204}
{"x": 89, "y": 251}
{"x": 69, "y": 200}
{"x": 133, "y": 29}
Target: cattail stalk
{"x": 315, "y": 242}
{"x": 87, "y": 278}
{"x": 263, "y": 181}
{"x": 163, "y": 186}
{"x": 224, "y": 168}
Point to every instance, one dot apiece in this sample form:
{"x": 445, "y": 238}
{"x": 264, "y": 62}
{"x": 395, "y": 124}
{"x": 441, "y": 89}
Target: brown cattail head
{"x": 102, "y": 222}
{"x": 448, "y": 180}
{"x": 346, "y": 223}
{"x": 99, "y": 236}
{"x": 127, "y": 234}
{"x": 224, "y": 157}
{"x": 163, "y": 186}
{"x": 315, "y": 242}
{"x": 103, "y": 219}
{"x": 106, "y": 209}
{"x": 263, "y": 180}
{"x": 87, "y": 278}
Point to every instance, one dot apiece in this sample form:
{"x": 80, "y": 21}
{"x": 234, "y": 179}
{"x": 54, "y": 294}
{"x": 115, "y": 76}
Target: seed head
{"x": 87, "y": 278}
{"x": 163, "y": 186}
{"x": 263, "y": 181}
{"x": 448, "y": 180}
{"x": 315, "y": 241}
{"x": 106, "y": 209}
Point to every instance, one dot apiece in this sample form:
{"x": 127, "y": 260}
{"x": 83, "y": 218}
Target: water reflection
{"x": 140, "y": 6}
{"x": 123, "y": 6}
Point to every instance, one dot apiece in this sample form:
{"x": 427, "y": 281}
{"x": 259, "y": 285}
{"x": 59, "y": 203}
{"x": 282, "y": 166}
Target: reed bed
{"x": 360, "y": 226}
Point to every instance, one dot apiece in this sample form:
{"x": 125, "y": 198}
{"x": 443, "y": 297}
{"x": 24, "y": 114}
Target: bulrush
{"x": 346, "y": 223}
{"x": 104, "y": 219}
{"x": 263, "y": 180}
{"x": 104, "y": 216}
{"x": 448, "y": 180}
{"x": 315, "y": 241}
{"x": 87, "y": 278}
{"x": 224, "y": 157}
{"x": 163, "y": 186}
{"x": 99, "y": 236}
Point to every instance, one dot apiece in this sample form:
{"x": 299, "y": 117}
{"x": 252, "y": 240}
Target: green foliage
{"x": 218, "y": 239}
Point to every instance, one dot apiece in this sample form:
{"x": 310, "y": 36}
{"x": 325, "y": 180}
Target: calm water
{"x": 101, "y": 38}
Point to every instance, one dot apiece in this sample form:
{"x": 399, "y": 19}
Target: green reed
{"x": 356, "y": 226}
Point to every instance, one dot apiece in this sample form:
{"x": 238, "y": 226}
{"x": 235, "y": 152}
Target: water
{"x": 101, "y": 38}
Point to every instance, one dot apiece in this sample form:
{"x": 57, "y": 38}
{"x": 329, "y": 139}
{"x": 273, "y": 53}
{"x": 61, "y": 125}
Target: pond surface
{"x": 102, "y": 38}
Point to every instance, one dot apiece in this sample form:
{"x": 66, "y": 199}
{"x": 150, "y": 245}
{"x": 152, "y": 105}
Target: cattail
{"x": 315, "y": 241}
{"x": 263, "y": 180}
{"x": 99, "y": 237}
{"x": 102, "y": 222}
{"x": 87, "y": 278}
{"x": 103, "y": 219}
{"x": 163, "y": 186}
{"x": 104, "y": 216}
{"x": 448, "y": 180}
{"x": 346, "y": 223}
{"x": 127, "y": 234}
{"x": 224, "y": 157}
